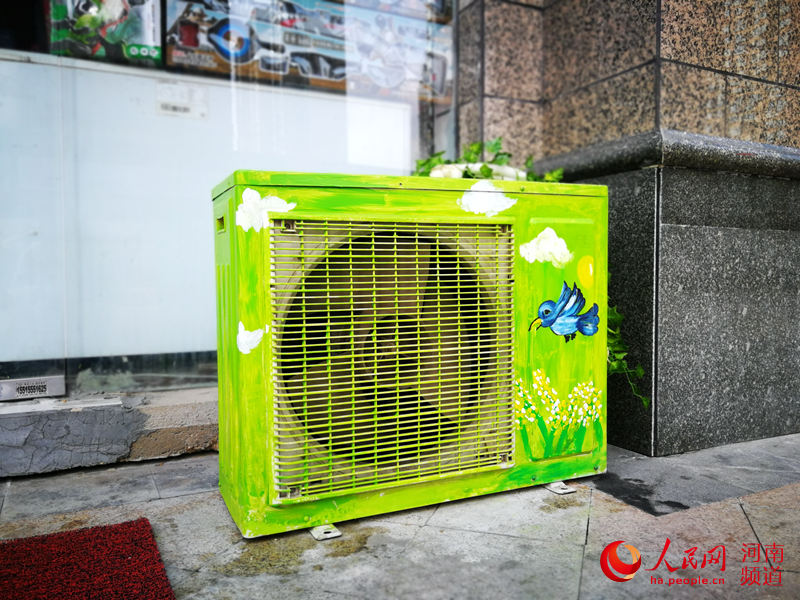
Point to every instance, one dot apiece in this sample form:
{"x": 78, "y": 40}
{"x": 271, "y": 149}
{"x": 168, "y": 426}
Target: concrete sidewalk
{"x": 524, "y": 544}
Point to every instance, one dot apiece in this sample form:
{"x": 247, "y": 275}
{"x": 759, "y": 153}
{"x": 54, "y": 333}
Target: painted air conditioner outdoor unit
{"x": 392, "y": 342}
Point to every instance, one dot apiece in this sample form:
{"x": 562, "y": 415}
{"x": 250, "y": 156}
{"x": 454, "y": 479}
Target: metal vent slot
{"x": 392, "y": 353}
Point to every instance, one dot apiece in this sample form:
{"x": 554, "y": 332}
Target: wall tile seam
{"x": 542, "y": 62}
{"x": 726, "y": 104}
{"x": 587, "y": 86}
{"x": 657, "y": 86}
{"x": 443, "y": 112}
{"x": 655, "y": 330}
{"x": 482, "y": 74}
{"x": 731, "y": 74}
{"x": 454, "y": 101}
{"x": 518, "y": 3}
{"x": 512, "y": 99}
{"x": 663, "y": 165}
{"x": 476, "y": 26}
{"x": 462, "y": 9}
{"x": 779, "y": 65}
{"x": 724, "y": 228}
{"x": 768, "y": 39}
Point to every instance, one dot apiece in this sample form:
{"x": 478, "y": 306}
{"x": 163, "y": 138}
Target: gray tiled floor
{"x": 186, "y": 476}
{"x": 663, "y": 485}
{"x": 77, "y": 490}
{"x": 523, "y": 544}
{"x": 544, "y": 517}
{"x": 3, "y": 488}
{"x": 95, "y": 488}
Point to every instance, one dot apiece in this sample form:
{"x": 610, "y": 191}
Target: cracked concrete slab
{"x": 414, "y": 516}
{"x": 189, "y": 476}
{"x": 718, "y": 523}
{"x": 173, "y": 441}
{"x": 206, "y": 557}
{"x": 230, "y": 589}
{"x": 91, "y": 517}
{"x": 774, "y": 517}
{"x": 439, "y": 563}
{"x": 787, "y": 496}
{"x": 177, "y": 422}
{"x": 74, "y": 491}
{"x": 4, "y": 485}
{"x": 776, "y": 527}
{"x": 533, "y": 513}
{"x": 450, "y": 563}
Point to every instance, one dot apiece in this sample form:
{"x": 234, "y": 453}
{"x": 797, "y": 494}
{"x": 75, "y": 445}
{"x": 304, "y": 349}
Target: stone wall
{"x": 499, "y": 74}
{"x": 703, "y": 266}
{"x": 690, "y": 113}
{"x": 732, "y": 69}
{"x": 554, "y": 77}
{"x": 728, "y": 290}
{"x": 599, "y": 72}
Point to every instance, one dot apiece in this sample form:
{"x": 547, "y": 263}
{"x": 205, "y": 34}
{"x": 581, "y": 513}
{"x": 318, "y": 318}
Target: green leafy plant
{"x": 617, "y": 355}
{"x": 553, "y": 176}
{"x": 493, "y": 153}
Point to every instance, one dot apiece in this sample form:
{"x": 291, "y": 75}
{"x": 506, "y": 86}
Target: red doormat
{"x": 114, "y": 561}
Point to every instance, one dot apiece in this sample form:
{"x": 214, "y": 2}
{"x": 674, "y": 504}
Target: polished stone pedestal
{"x": 704, "y": 254}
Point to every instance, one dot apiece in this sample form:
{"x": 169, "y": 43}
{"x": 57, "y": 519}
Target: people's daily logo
{"x": 614, "y": 567}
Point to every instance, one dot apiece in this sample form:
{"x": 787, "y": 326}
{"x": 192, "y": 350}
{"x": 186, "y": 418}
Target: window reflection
{"x": 109, "y": 274}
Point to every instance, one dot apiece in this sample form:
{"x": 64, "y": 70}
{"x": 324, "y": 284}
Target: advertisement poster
{"x": 121, "y": 31}
{"x": 316, "y": 44}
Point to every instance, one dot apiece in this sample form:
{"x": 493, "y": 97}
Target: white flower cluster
{"x": 523, "y": 405}
{"x": 584, "y": 404}
{"x": 553, "y": 406}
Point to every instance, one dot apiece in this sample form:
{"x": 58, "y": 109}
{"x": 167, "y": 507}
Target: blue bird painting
{"x": 562, "y": 315}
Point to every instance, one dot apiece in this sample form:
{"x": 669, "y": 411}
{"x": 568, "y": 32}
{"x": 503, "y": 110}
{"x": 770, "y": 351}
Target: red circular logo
{"x": 614, "y": 568}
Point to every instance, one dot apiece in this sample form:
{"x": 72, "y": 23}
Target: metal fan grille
{"x": 392, "y": 353}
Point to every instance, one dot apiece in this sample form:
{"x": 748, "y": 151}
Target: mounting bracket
{"x": 324, "y": 532}
{"x": 560, "y": 488}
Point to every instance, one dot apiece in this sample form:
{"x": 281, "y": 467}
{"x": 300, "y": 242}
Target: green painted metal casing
{"x": 558, "y": 391}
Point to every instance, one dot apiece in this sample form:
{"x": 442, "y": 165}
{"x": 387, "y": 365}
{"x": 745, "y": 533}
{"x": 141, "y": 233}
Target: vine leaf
{"x": 617, "y": 353}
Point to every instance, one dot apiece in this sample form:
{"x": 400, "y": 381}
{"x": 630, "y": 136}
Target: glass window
{"x": 119, "y": 116}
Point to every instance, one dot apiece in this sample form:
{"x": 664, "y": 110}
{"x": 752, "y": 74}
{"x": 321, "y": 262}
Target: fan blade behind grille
{"x": 384, "y": 356}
